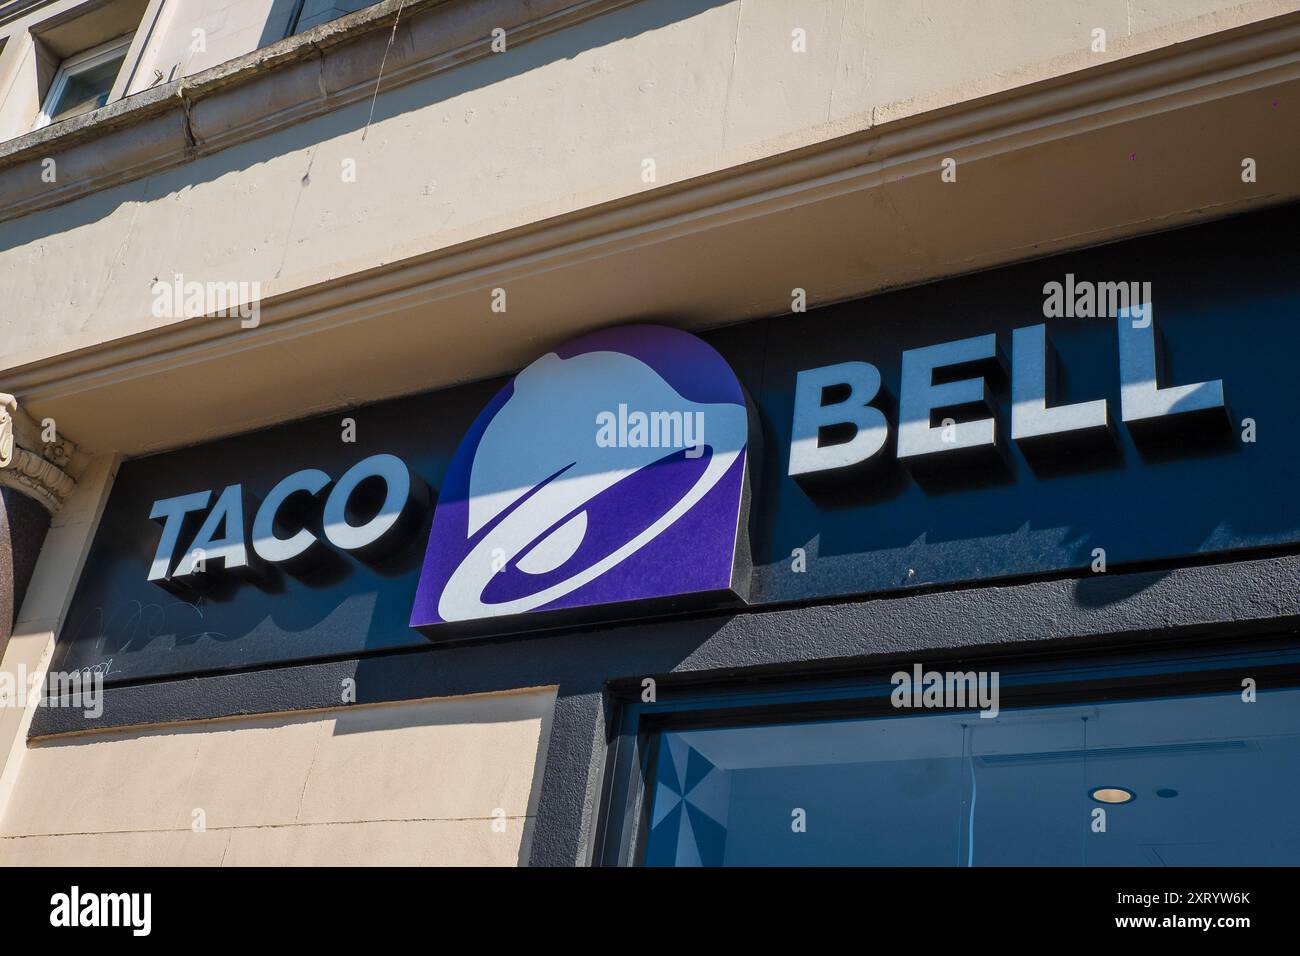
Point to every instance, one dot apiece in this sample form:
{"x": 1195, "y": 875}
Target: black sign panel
{"x": 1139, "y": 492}
{"x": 1226, "y": 298}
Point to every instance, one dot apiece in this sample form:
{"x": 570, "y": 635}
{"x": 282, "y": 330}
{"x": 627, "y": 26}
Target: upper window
{"x": 83, "y": 82}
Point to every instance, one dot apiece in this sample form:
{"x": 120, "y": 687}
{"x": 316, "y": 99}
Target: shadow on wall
{"x": 565, "y": 44}
{"x": 23, "y": 523}
{"x": 280, "y": 20}
{"x": 289, "y": 17}
{"x": 295, "y": 16}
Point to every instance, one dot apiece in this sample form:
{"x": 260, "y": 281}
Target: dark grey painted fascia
{"x": 1236, "y": 598}
{"x": 1240, "y": 597}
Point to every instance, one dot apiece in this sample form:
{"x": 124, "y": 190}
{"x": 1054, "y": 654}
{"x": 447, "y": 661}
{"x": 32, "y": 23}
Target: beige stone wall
{"x": 230, "y": 28}
{"x": 416, "y": 783}
{"x": 62, "y": 29}
{"x": 557, "y": 124}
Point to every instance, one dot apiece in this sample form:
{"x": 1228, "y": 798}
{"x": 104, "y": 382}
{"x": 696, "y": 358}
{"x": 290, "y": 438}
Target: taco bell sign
{"x": 610, "y": 470}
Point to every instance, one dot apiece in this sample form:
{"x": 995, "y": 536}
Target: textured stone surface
{"x": 553, "y": 124}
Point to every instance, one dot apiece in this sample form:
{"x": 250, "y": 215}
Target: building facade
{"x": 662, "y": 432}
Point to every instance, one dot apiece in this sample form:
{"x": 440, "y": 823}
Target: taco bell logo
{"x": 541, "y": 512}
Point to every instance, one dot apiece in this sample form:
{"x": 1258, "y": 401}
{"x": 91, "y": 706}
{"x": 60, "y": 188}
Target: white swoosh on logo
{"x": 550, "y": 422}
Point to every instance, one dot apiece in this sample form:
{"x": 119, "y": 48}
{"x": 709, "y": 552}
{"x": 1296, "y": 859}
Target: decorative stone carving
{"x": 40, "y": 469}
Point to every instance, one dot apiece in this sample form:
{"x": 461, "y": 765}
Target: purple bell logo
{"x": 610, "y": 470}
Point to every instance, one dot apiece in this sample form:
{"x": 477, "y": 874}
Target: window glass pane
{"x": 87, "y": 90}
{"x": 1212, "y": 780}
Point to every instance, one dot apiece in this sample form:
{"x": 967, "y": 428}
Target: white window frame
{"x": 76, "y": 64}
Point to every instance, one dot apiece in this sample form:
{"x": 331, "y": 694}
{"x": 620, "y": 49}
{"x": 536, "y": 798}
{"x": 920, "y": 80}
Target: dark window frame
{"x": 1136, "y": 672}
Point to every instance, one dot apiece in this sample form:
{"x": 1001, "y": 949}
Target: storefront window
{"x": 1202, "y": 778}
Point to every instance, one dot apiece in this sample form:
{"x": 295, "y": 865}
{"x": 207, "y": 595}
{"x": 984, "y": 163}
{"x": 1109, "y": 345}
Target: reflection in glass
{"x": 86, "y": 90}
{"x": 1213, "y": 780}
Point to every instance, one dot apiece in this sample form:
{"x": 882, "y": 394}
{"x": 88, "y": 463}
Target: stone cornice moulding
{"x": 307, "y": 75}
{"x": 29, "y": 464}
{"x": 314, "y": 73}
{"x": 1146, "y": 85}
